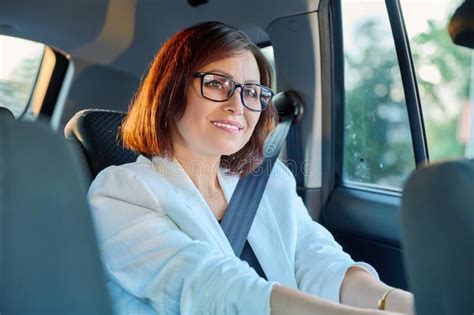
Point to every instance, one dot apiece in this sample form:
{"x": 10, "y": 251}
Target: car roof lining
{"x": 126, "y": 34}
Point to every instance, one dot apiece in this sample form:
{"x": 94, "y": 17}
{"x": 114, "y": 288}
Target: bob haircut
{"x": 161, "y": 99}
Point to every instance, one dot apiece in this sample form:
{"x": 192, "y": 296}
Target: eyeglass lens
{"x": 220, "y": 88}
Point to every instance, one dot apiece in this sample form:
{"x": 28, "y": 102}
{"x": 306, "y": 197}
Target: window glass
{"x": 445, "y": 77}
{"x": 377, "y": 140}
{"x": 20, "y": 61}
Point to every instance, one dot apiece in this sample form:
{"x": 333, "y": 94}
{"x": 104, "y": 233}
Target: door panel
{"x": 367, "y": 226}
{"x": 368, "y": 126}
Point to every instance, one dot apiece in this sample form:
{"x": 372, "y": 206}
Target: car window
{"x": 377, "y": 139}
{"x": 20, "y": 62}
{"x": 445, "y": 77}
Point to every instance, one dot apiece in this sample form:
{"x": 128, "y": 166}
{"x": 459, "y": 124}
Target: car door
{"x": 382, "y": 116}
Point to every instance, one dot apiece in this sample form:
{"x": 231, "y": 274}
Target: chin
{"x": 227, "y": 150}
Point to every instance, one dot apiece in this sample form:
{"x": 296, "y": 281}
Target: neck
{"x": 201, "y": 169}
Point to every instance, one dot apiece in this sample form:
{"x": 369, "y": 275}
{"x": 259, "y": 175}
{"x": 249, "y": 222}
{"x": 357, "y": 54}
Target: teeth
{"x": 225, "y": 126}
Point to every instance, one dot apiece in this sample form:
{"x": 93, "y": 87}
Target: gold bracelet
{"x": 381, "y": 302}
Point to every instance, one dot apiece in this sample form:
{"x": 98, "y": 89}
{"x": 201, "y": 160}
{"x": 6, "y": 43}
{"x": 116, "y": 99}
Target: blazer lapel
{"x": 185, "y": 205}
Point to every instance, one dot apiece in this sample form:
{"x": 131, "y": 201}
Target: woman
{"x": 199, "y": 121}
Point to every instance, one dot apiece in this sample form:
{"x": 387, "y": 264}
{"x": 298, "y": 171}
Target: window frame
{"x": 410, "y": 86}
{"x": 410, "y": 90}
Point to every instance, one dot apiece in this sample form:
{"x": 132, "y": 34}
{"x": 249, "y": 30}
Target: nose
{"x": 234, "y": 103}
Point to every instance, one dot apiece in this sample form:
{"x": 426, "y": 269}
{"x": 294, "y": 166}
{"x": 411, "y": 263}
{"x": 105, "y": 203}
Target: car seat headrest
{"x": 289, "y": 105}
{"x": 461, "y": 25}
{"x": 98, "y": 133}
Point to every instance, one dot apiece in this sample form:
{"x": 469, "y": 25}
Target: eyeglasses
{"x": 219, "y": 88}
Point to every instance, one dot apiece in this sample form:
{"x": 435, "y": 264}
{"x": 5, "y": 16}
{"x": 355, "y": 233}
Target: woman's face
{"x": 210, "y": 128}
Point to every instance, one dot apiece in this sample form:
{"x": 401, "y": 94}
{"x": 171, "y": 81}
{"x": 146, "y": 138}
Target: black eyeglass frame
{"x": 201, "y": 75}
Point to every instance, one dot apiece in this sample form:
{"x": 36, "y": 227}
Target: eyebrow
{"x": 230, "y": 76}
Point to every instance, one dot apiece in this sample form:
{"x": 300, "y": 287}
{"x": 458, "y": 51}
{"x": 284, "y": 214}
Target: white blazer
{"x": 164, "y": 251}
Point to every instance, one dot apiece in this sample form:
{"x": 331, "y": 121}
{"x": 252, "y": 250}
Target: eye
{"x": 216, "y": 82}
{"x": 250, "y": 92}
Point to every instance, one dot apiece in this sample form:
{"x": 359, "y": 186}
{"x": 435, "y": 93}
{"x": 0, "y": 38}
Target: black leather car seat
{"x": 49, "y": 262}
{"x": 438, "y": 237}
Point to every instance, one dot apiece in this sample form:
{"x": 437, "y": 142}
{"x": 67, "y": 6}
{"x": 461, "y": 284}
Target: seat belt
{"x": 245, "y": 200}
{"x": 294, "y": 154}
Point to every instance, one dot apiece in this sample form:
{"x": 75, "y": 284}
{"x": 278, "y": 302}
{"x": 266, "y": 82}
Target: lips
{"x": 228, "y": 124}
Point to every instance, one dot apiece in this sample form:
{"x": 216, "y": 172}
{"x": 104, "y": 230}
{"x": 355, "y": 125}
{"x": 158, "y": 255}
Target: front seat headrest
{"x": 97, "y": 131}
{"x": 461, "y": 25}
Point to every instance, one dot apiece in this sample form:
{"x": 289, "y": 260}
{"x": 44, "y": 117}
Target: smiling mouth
{"x": 226, "y": 126}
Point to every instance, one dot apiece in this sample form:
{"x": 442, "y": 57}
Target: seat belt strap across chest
{"x": 246, "y": 198}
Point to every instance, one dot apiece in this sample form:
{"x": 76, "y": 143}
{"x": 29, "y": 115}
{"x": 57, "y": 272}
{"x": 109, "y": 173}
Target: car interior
{"x": 414, "y": 225}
